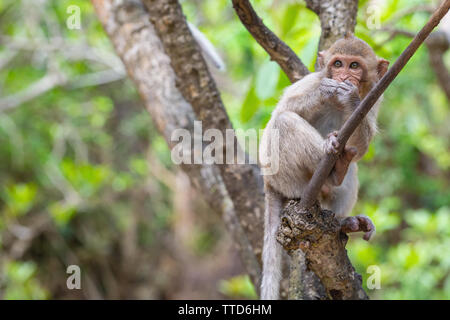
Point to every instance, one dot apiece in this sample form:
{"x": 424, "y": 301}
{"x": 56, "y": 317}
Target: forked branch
{"x": 277, "y": 49}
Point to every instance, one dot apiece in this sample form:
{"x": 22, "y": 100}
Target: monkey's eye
{"x": 338, "y": 63}
{"x": 354, "y": 65}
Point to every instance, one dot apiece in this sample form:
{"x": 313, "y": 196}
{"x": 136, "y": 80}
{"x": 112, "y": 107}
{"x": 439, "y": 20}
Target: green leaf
{"x": 20, "y": 197}
{"x": 266, "y": 80}
{"x": 250, "y": 106}
{"x": 61, "y": 213}
{"x": 289, "y": 18}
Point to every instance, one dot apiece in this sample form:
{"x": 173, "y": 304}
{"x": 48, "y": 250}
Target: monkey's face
{"x": 347, "y": 67}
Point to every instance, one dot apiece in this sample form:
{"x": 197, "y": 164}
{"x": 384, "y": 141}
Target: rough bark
{"x": 317, "y": 233}
{"x": 337, "y": 17}
{"x": 137, "y": 44}
{"x": 278, "y": 51}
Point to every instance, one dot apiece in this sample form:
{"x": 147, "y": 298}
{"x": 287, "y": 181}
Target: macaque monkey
{"x": 307, "y": 118}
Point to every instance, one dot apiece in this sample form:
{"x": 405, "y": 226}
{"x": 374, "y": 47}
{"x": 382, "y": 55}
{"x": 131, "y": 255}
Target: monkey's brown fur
{"x": 305, "y": 121}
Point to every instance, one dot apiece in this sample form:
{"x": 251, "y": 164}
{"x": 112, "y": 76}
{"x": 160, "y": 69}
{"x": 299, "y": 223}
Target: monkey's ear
{"x": 321, "y": 59}
{"x": 382, "y": 67}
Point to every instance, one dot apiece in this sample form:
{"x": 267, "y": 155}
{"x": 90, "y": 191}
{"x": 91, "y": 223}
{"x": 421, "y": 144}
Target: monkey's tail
{"x": 272, "y": 250}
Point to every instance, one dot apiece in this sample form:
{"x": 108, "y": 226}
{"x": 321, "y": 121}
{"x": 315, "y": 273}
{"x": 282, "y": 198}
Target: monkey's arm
{"x": 346, "y": 98}
{"x": 303, "y": 97}
{"x": 298, "y": 149}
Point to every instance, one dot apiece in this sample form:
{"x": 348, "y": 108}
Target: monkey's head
{"x": 352, "y": 59}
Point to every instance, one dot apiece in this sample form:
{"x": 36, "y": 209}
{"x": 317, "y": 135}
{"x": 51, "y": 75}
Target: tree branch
{"x": 410, "y": 10}
{"x": 55, "y": 76}
{"x": 199, "y": 89}
{"x": 142, "y": 52}
{"x": 317, "y": 233}
{"x": 45, "y": 84}
{"x": 437, "y": 44}
{"x": 277, "y": 49}
{"x": 305, "y": 226}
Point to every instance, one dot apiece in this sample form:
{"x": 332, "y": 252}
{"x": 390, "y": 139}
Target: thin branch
{"x": 39, "y": 87}
{"x": 56, "y": 79}
{"x": 96, "y": 78}
{"x": 408, "y": 11}
{"x": 437, "y": 44}
{"x": 6, "y": 58}
{"x": 393, "y": 33}
{"x": 398, "y": 32}
{"x": 277, "y": 49}
{"x": 60, "y": 46}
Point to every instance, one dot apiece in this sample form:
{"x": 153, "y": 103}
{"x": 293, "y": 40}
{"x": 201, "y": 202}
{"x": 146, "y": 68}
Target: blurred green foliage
{"x": 239, "y": 287}
{"x": 78, "y": 155}
{"x": 21, "y": 284}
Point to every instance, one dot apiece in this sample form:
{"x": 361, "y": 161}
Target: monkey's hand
{"x": 344, "y": 95}
{"x": 339, "y": 171}
{"x": 332, "y": 143}
{"x": 358, "y": 223}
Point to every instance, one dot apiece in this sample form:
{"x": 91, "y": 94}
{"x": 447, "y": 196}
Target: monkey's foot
{"x": 358, "y": 223}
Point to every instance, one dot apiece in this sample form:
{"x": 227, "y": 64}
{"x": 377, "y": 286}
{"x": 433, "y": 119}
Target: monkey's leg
{"x": 300, "y": 149}
{"x": 343, "y": 199}
{"x": 345, "y": 158}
